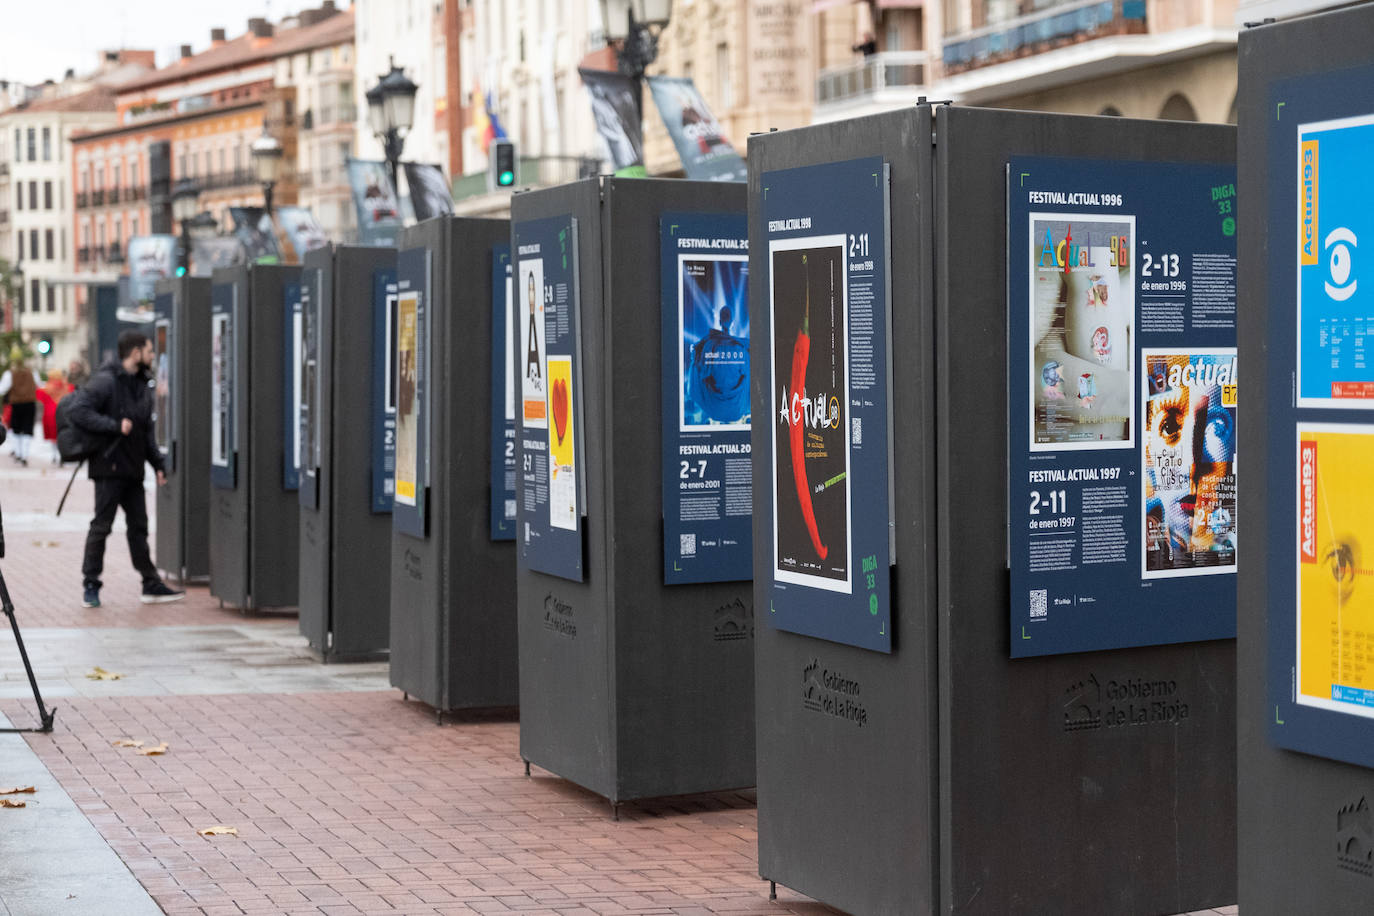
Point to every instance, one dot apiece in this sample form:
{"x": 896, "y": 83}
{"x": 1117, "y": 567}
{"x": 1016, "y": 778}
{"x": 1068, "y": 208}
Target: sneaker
{"x": 91, "y": 598}
{"x": 158, "y": 593}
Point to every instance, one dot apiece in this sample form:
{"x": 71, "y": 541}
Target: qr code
{"x": 510, "y": 508}
{"x": 1039, "y": 602}
{"x": 856, "y": 430}
{"x": 687, "y": 545}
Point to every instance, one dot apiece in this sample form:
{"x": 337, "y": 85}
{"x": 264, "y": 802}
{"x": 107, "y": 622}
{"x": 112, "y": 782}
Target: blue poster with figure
{"x": 1122, "y": 403}
{"x": 825, "y": 369}
{"x": 708, "y": 493}
{"x": 550, "y": 458}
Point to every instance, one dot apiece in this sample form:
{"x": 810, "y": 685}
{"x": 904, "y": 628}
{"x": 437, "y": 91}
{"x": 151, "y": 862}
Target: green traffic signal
{"x": 506, "y": 178}
{"x": 181, "y": 271}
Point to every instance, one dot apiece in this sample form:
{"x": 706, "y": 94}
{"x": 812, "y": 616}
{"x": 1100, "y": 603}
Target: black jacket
{"x": 110, "y": 396}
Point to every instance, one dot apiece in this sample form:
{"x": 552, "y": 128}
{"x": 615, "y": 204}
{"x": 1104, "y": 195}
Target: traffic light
{"x": 44, "y": 346}
{"x": 181, "y": 270}
{"x": 504, "y": 162}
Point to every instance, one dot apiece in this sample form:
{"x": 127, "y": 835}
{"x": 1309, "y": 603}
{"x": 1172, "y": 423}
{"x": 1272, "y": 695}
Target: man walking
{"x": 118, "y": 403}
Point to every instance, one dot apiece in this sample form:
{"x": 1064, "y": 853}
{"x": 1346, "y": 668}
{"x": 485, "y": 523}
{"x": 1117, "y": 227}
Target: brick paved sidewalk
{"x": 42, "y": 564}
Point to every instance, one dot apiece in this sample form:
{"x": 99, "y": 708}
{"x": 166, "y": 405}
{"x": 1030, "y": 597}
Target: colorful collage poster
{"x": 708, "y": 488}
{"x": 1188, "y": 466}
{"x": 222, "y": 384}
{"x": 407, "y": 401}
{"x": 811, "y": 495}
{"x": 562, "y": 453}
{"x": 534, "y": 370}
{"x": 825, "y": 354}
{"x": 1082, "y": 288}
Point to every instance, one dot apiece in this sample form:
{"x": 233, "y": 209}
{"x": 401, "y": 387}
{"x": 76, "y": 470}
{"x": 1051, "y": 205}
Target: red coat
{"x": 50, "y": 411}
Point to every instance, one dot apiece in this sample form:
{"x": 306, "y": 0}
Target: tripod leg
{"x": 45, "y": 715}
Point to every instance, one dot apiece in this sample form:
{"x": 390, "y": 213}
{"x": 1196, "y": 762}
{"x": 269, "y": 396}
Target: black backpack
{"x": 73, "y": 442}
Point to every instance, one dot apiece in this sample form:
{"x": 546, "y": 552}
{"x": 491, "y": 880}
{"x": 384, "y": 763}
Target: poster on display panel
{"x": 384, "y": 318}
{"x": 1320, "y": 432}
{"x": 502, "y": 396}
{"x": 829, "y": 380}
{"x": 223, "y": 384}
{"x": 708, "y": 494}
{"x": 411, "y": 361}
{"x": 1122, "y": 402}
{"x": 549, "y": 450}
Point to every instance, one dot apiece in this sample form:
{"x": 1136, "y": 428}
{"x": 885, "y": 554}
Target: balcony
{"x": 114, "y": 255}
{"x": 98, "y": 198}
{"x": 83, "y": 255}
{"x": 1042, "y": 31}
{"x": 83, "y": 200}
{"x": 114, "y": 196}
{"x": 1074, "y": 41}
{"x": 887, "y": 79}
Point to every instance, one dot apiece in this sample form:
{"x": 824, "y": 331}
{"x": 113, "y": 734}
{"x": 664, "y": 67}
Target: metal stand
{"x": 772, "y": 890}
{"x": 527, "y": 768}
{"x": 45, "y": 715}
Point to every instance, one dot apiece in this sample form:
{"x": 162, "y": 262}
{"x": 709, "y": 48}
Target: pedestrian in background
{"x": 52, "y": 392}
{"x": 20, "y": 391}
{"x": 78, "y": 373}
{"x": 117, "y": 405}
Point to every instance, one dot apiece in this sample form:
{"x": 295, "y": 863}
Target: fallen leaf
{"x": 15, "y": 790}
{"x": 219, "y": 830}
{"x": 127, "y": 742}
{"x": 12, "y": 803}
{"x": 100, "y": 674}
{"x": 153, "y": 751}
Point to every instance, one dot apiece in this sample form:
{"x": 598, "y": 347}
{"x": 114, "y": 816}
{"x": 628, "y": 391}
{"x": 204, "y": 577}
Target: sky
{"x": 49, "y": 36}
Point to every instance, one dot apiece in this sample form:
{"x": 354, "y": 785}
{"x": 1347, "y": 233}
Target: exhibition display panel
{"x": 995, "y": 523}
{"x": 331, "y": 410}
{"x": 630, "y": 329}
{"x": 452, "y": 600}
{"x": 254, "y": 517}
{"x": 181, "y": 343}
{"x": 1306, "y": 735}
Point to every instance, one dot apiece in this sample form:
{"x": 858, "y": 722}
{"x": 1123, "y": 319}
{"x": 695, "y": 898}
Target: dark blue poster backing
{"x": 304, "y": 347}
{"x": 827, "y": 323}
{"x": 412, "y": 353}
{"x": 383, "y": 389}
{"x": 550, "y": 500}
{"x": 502, "y": 397}
{"x": 1122, "y": 397}
{"x": 708, "y": 494}
{"x": 291, "y": 401}
{"x": 223, "y": 380}
{"x": 1319, "y": 391}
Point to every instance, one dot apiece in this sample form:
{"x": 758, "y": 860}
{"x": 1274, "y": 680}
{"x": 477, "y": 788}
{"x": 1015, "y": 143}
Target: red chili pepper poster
{"x": 811, "y": 428}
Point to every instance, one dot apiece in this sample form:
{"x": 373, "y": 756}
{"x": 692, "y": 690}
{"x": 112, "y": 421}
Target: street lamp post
{"x": 636, "y": 25}
{"x": 185, "y": 199}
{"x": 267, "y": 159}
{"x": 390, "y": 113}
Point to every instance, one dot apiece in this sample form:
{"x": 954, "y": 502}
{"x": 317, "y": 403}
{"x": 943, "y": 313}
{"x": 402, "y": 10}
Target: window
{"x": 52, "y": 298}
{"x": 222, "y": 156}
{"x": 47, "y": 144}
{"x": 100, "y": 235}
{"x": 725, "y": 101}
{"x": 98, "y": 177}
{"x": 133, "y": 225}
{"x": 181, "y": 165}
{"x": 34, "y": 299}
{"x": 47, "y": 195}
{"x": 18, "y": 146}
{"x": 33, "y": 244}
{"x": 33, "y": 195}
{"x": 33, "y": 144}
{"x": 48, "y": 247}
{"x": 64, "y": 243}
{"x": 19, "y": 197}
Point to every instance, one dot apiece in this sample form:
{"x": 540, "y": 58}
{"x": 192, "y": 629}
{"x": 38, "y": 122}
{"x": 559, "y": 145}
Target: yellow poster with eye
{"x": 1335, "y": 558}
{"x": 562, "y": 448}
{"x": 408, "y": 402}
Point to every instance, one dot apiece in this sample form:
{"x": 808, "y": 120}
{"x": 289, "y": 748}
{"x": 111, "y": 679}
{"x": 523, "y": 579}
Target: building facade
{"x": 754, "y": 62}
{"x": 409, "y": 33}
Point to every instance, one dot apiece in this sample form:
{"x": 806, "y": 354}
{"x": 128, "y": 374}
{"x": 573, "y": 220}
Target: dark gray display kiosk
{"x": 628, "y": 687}
{"x": 343, "y": 601}
{"x": 254, "y": 519}
{"x": 1306, "y": 736}
{"x": 932, "y": 771}
{"x": 452, "y": 607}
{"x": 181, "y": 341}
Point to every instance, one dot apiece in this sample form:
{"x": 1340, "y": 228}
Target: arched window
{"x": 1177, "y": 108}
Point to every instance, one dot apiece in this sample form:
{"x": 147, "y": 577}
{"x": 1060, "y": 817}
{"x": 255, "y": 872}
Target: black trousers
{"x": 113, "y": 493}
